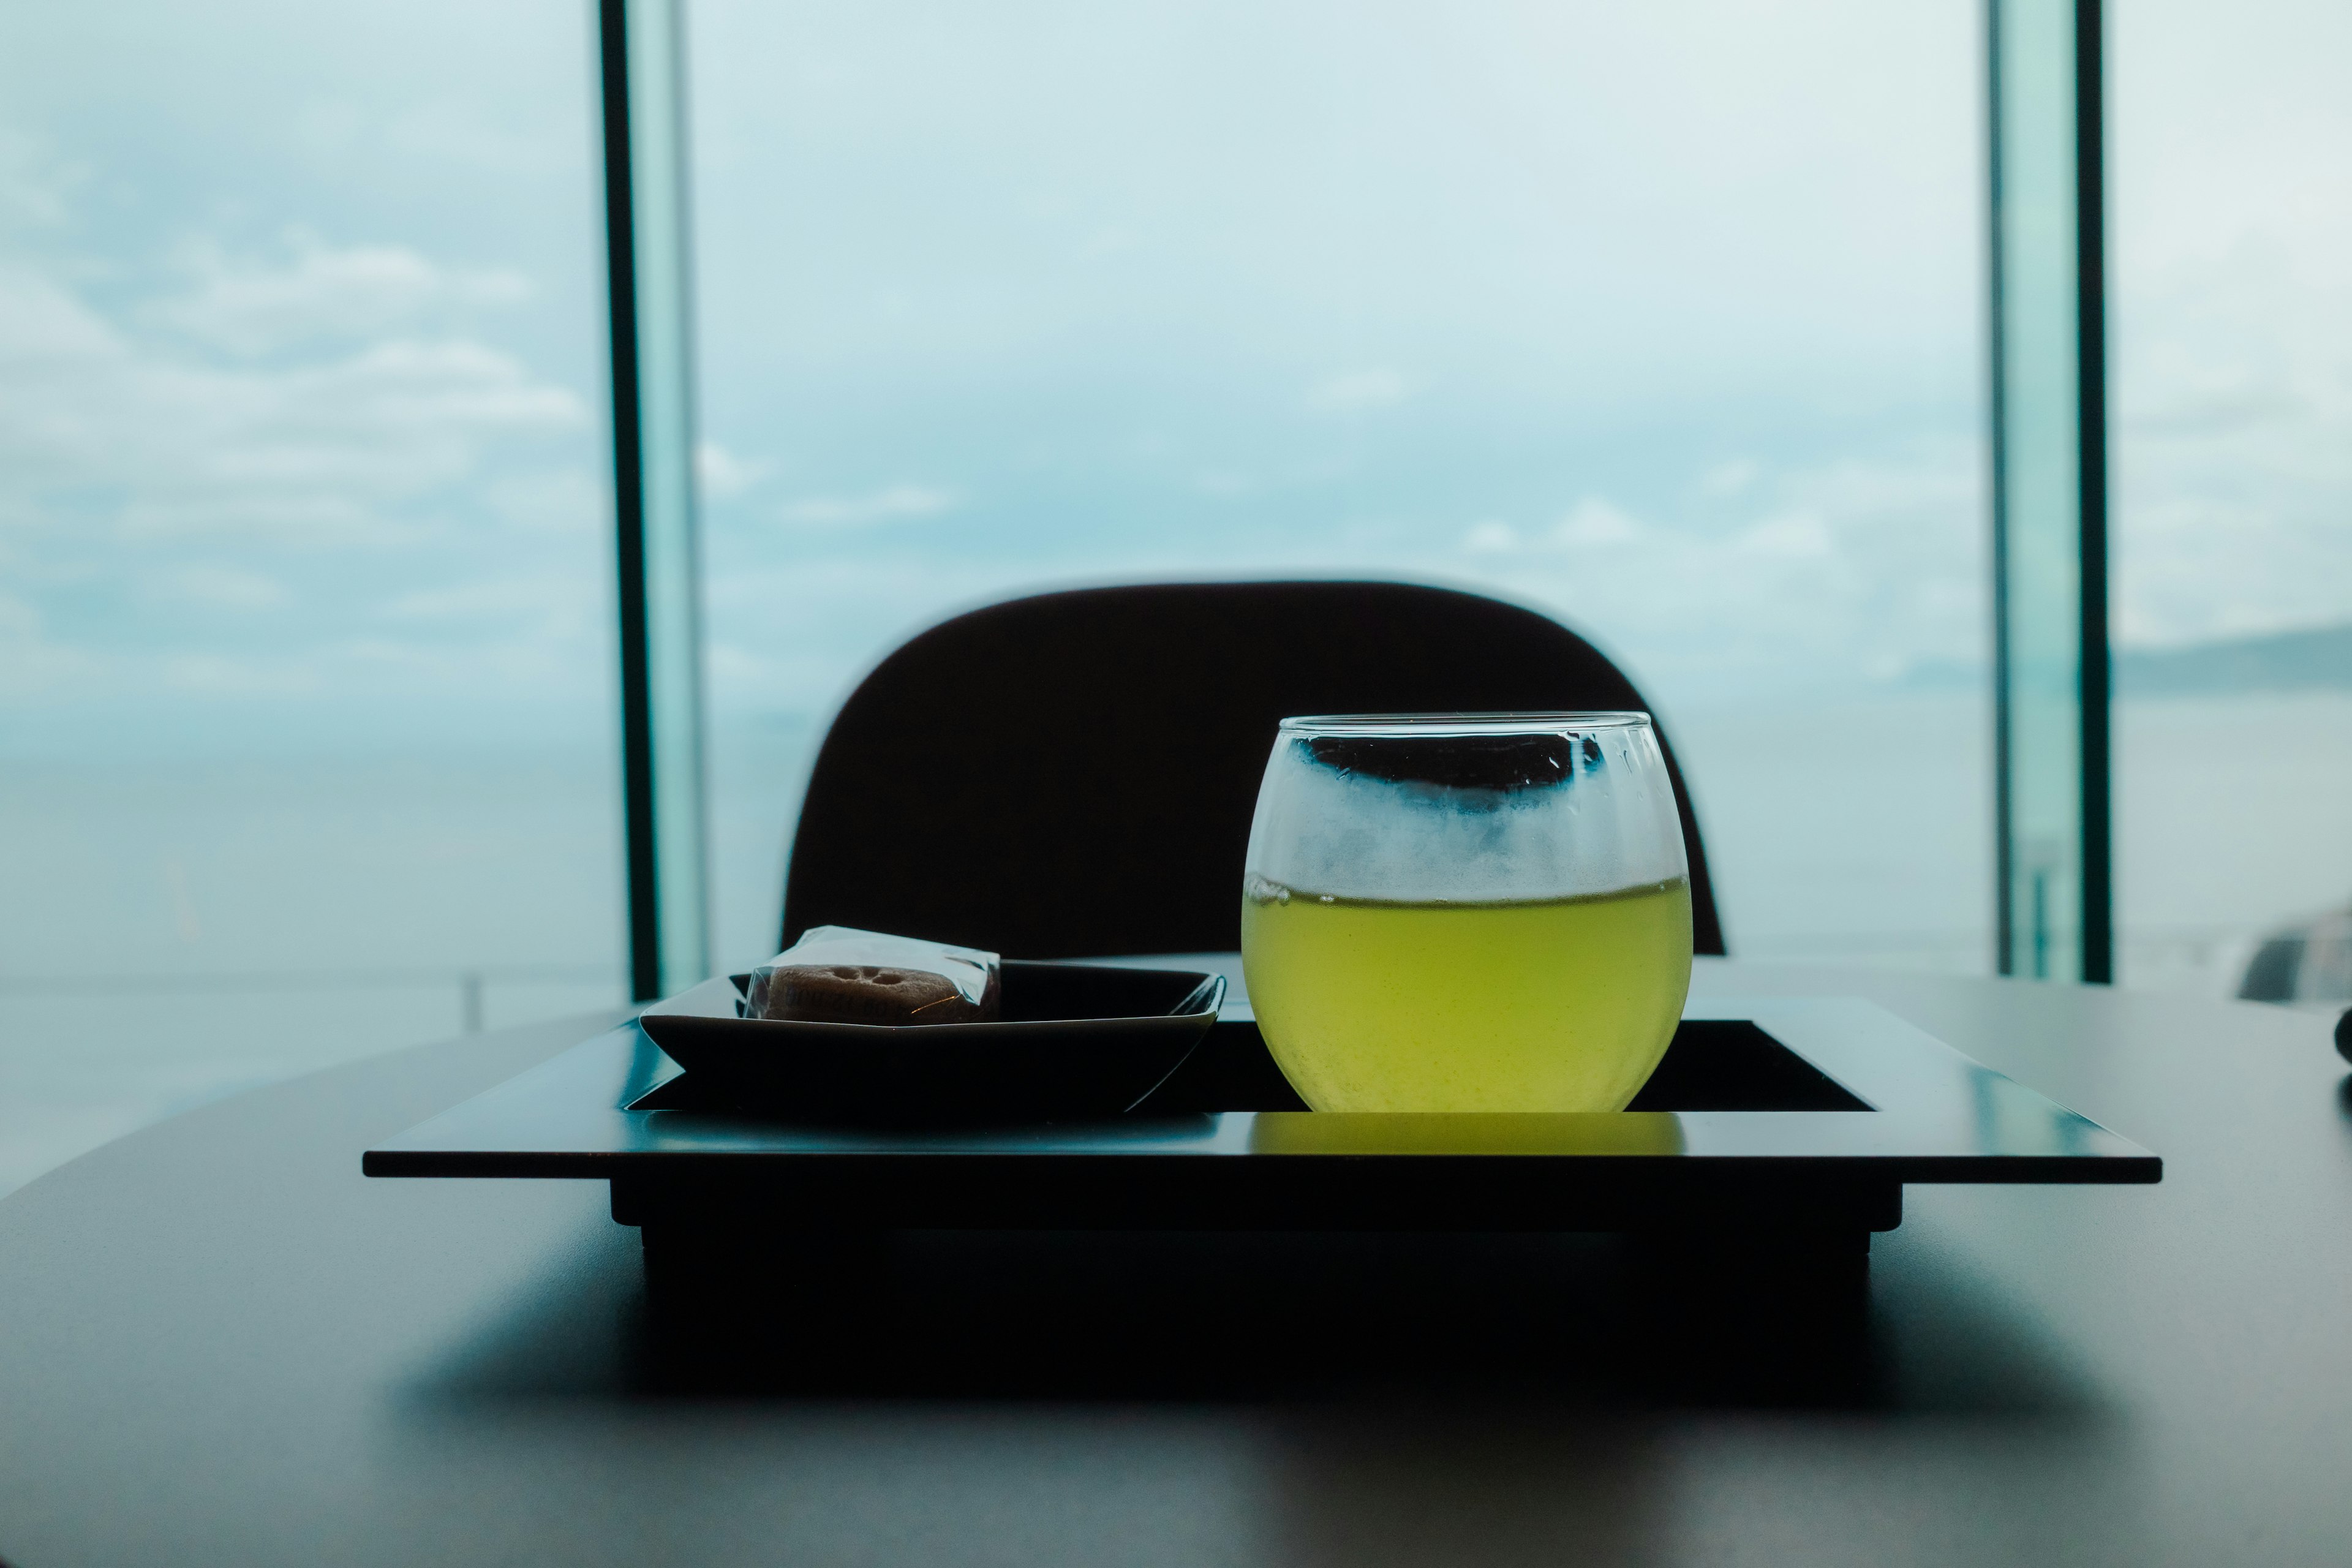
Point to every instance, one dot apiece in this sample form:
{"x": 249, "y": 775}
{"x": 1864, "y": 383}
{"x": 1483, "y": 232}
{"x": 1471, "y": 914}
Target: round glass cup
{"x": 1467, "y": 912}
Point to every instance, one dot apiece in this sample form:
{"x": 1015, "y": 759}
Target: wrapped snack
{"x": 836, "y": 974}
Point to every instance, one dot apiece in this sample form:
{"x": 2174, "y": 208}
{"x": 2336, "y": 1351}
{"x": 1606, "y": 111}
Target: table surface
{"x": 220, "y": 1343}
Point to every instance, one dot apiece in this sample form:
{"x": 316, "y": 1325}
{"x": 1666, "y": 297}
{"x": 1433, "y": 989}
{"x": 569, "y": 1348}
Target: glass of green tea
{"x": 1467, "y": 912}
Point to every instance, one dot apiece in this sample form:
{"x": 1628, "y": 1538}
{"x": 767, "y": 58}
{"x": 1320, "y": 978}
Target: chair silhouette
{"x": 1073, "y": 774}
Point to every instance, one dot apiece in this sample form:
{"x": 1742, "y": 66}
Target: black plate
{"x": 1073, "y": 1040}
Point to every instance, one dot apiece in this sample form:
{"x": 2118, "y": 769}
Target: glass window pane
{"x": 2233, "y": 442}
{"x": 2042, "y": 516}
{"x": 1665, "y": 320}
{"x": 305, "y": 674}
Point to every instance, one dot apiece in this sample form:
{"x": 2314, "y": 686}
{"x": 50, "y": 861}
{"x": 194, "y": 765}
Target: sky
{"x": 1664, "y": 321}
{"x": 1667, "y": 319}
{"x": 301, "y": 396}
{"x": 2232, "y": 318}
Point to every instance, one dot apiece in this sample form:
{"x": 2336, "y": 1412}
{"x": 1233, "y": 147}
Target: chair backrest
{"x": 1073, "y": 774}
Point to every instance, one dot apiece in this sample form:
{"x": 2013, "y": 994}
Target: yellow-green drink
{"x": 1518, "y": 1004}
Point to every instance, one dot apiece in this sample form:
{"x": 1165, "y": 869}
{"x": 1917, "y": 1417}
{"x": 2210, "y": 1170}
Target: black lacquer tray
{"x": 1798, "y": 1118}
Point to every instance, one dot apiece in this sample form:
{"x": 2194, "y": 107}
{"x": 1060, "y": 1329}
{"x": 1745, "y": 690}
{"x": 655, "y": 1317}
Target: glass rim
{"x": 1405, "y": 725}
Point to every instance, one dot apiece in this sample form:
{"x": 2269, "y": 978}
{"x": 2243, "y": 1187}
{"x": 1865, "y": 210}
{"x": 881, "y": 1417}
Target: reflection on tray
{"x": 1464, "y": 1133}
{"x": 1729, "y": 1064}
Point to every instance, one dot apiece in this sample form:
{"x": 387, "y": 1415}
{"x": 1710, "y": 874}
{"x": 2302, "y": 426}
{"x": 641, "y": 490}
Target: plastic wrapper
{"x": 836, "y": 974}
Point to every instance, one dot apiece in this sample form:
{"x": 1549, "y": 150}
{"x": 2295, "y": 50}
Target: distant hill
{"x": 2318, "y": 658}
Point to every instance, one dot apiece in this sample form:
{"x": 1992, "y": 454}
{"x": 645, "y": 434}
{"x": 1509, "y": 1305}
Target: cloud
{"x": 1726, "y": 480}
{"x": 33, "y": 663}
{"x": 1593, "y": 520}
{"x": 1224, "y": 483}
{"x": 2234, "y": 441}
{"x": 448, "y": 130}
{"x": 890, "y": 504}
{"x": 1793, "y": 535}
{"x": 314, "y": 291}
{"x": 574, "y": 500}
{"x": 851, "y": 608}
{"x": 217, "y": 587}
{"x": 1352, "y": 392}
{"x": 1859, "y": 568}
{"x": 496, "y": 599}
{"x": 723, "y": 475}
{"x": 332, "y": 447}
{"x": 321, "y": 431}
{"x": 230, "y": 675}
{"x": 35, "y": 184}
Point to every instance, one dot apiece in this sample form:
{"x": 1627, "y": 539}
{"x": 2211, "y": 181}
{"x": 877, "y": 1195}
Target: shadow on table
{"x": 1453, "y": 1319}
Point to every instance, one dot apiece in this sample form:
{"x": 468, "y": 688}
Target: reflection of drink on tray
{"x": 1547, "y": 1005}
{"x": 1502, "y": 1134}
